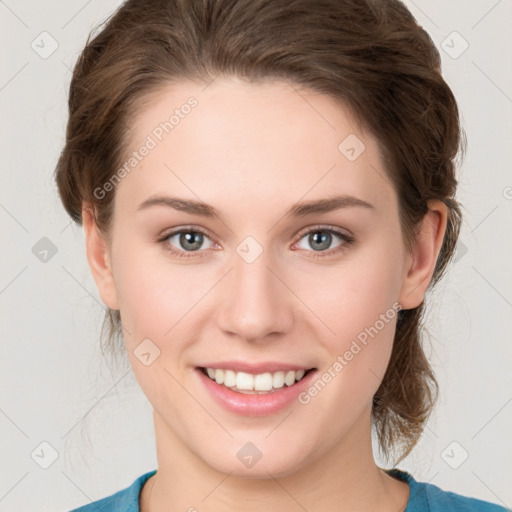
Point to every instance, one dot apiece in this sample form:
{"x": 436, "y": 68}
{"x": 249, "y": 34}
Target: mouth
{"x": 255, "y": 384}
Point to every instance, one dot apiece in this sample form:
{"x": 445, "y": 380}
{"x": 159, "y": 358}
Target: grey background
{"x": 56, "y": 386}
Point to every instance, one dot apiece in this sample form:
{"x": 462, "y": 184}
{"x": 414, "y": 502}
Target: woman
{"x": 267, "y": 189}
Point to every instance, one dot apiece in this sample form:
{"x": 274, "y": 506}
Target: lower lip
{"x": 254, "y": 404}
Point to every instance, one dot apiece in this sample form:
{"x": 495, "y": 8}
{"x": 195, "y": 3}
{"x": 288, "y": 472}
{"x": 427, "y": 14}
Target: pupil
{"x": 188, "y": 238}
{"x": 324, "y": 239}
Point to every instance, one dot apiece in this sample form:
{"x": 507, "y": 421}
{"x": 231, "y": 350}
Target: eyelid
{"x": 347, "y": 239}
{"x": 343, "y": 234}
{"x": 324, "y": 227}
{"x": 166, "y": 234}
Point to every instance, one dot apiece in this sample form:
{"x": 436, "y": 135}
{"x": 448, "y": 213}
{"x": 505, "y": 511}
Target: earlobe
{"x": 99, "y": 259}
{"x": 424, "y": 255}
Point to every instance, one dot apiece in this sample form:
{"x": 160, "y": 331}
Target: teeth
{"x": 244, "y": 381}
{"x": 247, "y": 382}
{"x": 219, "y": 376}
{"x": 263, "y": 382}
{"x": 229, "y": 378}
{"x": 290, "y": 378}
{"x": 278, "y": 380}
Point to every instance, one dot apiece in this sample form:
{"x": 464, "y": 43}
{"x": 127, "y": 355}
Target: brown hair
{"x": 371, "y": 55}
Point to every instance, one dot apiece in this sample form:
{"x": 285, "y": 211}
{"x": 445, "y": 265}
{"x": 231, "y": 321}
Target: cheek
{"x": 353, "y": 296}
{"x": 155, "y": 299}
{"x": 152, "y": 297}
{"x": 358, "y": 354}
{"x": 162, "y": 300}
{"x": 358, "y": 302}
{"x": 156, "y": 293}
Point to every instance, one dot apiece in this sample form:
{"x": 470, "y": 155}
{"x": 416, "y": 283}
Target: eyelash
{"x": 347, "y": 241}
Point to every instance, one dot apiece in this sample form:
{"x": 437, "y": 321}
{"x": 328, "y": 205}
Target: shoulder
{"x": 425, "y": 497}
{"x": 126, "y": 500}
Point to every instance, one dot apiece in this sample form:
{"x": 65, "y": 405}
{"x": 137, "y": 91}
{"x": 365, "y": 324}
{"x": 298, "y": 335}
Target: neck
{"x": 344, "y": 479}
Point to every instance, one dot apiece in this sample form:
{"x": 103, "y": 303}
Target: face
{"x": 264, "y": 279}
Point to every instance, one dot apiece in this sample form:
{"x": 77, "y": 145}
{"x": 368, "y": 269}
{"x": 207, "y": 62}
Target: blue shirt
{"x": 423, "y": 497}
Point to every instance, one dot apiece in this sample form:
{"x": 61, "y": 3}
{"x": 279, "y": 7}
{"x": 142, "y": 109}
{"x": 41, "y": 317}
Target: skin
{"x": 252, "y": 151}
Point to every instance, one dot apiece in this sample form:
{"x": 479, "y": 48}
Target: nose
{"x": 255, "y": 301}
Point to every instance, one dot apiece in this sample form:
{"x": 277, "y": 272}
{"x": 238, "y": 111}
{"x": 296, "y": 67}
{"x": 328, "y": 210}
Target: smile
{"x": 248, "y": 383}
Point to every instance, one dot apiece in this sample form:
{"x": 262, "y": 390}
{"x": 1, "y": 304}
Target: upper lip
{"x": 255, "y": 368}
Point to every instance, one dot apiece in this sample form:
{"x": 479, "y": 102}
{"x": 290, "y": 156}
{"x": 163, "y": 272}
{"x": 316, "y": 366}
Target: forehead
{"x": 267, "y": 143}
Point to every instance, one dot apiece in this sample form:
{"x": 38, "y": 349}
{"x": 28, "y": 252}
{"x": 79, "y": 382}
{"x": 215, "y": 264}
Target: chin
{"x": 271, "y": 464}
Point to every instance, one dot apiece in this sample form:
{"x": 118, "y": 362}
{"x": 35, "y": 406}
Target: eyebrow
{"x": 301, "y": 209}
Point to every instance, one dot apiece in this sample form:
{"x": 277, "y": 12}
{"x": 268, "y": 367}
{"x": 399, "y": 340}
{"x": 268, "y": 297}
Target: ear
{"x": 423, "y": 256}
{"x": 98, "y": 256}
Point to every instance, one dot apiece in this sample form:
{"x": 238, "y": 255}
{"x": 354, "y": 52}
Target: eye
{"x": 185, "y": 240}
{"x": 320, "y": 239}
